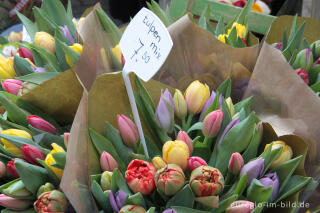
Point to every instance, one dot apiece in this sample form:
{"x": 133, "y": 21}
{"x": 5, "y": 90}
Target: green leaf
{"x": 225, "y": 88}
{"x": 101, "y": 198}
{"x": 196, "y": 126}
{"x": 294, "y": 43}
{"x": 285, "y": 170}
{"x": 48, "y": 59}
{"x": 31, "y": 28}
{"x": 244, "y": 104}
{"x": 294, "y": 28}
{"x": 152, "y": 148}
{"x": 181, "y": 209}
{"x": 294, "y": 185}
{"x": 38, "y": 78}
{"x": 252, "y": 150}
{"x": 47, "y": 138}
{"x": 184, "y": 197}
{"x": 51, "y": 175}
{"x": 32, "y": 176}
{"x": 43, "y": 22}
{"x": 103, "y": 144}
{"x": 220, "y": 27}
{"x": 305, "y": 44}
{"x": 201, "y": 150}
{"x": 236, "y": 140}
{"x": 19, "y": 141}
{"x": 274, "y": 154}
{"x": 151, "y": 210}
{"x": 136, "y": 199}
{"x": 258, "y": 194}
{"x": 244, "y": 12}
{"x": 122, "y": 184}
{"x": 70, "y": 53}
{"x": 11, "y": 125}
{"x": 31, "y": 210}
{"x": 316, "y": 87}
{"x": 144, "y": 93}
{"x": 284, "y": 39}
{"x": 69, "y": 10}
{"x": 38, "y": 61}
{"x": 114, "y": 185}
{"x": 160, "y": 13}
{"x": 60, "y": 158}
{"x": 241, "y": 186}
{"x": 224, "y": 204}
{"x": 109, "y": 26}
{"x": 22, "y": 66}
{"x": 61, "y": 56}
{"x": 114, "y": 137}
{"x": 3, "y": 40}
{"x": 214, "y": 106}
{"x": 203, "y": 20}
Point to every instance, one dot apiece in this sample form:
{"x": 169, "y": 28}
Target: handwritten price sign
{"x": 145, "y": 44}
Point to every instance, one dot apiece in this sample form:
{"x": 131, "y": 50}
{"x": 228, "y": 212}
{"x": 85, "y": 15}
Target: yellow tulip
{"x": 46, "y": 41}
{"x": 76, "y": 47}
{"x": 180, "y": 104}
{"x": 158, "y": 163}
{"x": 50, "y": 160}
{"x": 196, "y": 96}
{"x": 285, "y": 155}
{"x": 8, "y": 146}
{"x": 15, "y": 37}
{"x": 241, "y": 29}
{"x": 116, "y": 51}
{"x": 176, "y": 152}
{"x": 6, "y": 67}
{"x": 222, "y": 38}
{"x": 230, "y": 106}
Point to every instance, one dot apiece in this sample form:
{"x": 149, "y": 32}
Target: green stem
{"x": 228, "y": 178}
{"x": 190, "y": 116}
{"x": 183, "y": 123}
{"x": 208, "y": 142}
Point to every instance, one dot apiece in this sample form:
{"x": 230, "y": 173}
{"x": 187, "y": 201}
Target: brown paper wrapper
{"x": 311, "y": 33}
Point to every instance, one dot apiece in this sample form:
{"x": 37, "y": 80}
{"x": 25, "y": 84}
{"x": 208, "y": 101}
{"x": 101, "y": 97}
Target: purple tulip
{"x": 67, "y": 33}
{"x": 207, "y": 104}
{"x": 117, "y": 200}
{"x": 165, "y": 112}
{"x": 253, "y": 169}
{"x": 169, "y": 211}
{"x": 227, "y": 129}
{"x": 40, "y": 69}
{"x": 271, "y": 179}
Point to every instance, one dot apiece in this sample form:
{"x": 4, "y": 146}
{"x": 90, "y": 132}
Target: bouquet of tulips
{"x": 32, "y": 158}
{"x": 304, "y": 58}
{"x": 204, "y": 154}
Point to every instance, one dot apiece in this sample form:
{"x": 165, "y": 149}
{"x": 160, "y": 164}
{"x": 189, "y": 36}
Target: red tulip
{"x": 195, "y": 162}
{"x": 25, "y": 53}
{"x": 32, "y": 153}
{"x": 12, "y": 168}
{"x": 41, "y": 124}
{"x": 140, "y": 176}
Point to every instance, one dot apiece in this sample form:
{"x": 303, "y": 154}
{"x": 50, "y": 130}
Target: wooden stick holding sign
{"x": 145, "y": 45}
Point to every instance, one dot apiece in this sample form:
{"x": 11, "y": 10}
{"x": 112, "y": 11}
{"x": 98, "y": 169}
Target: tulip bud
{"x": 253, "y": 169}
{"x": 46, "y": 41}
{"x": 183, "y": 136}
{"x": 207, "y": 104}
{"x": 278, "y": 45}
{"x": 260, "y": 129}
{"x": 12, "y": 86}
{"x": 53, "y": 201}
{"x": 66, "y": 136}
{"x": 140, "y": 176}
{"x": 106, "y": 180}
{"x": 15, "y": 37}
{"x": 169, "y": 211}
{"x": 117, "y": 200}
{"x": 65, "y": 30}
{"x": 12, "y": 168}
{"x": 230, "y": 106}
{"x": 76, "y": 47}
{"x": 195, "y": 162}
{"x": 235, "y": 163}
{"x": 3, "y": 169}
{"x": 196, "y": 96}
{"x": 285, "y": 155}
{"x": 165, "y": 112}
{"x": 45, "y": 188}
{"x": 180, "y": 104}
{"x": 170, "y": 179}
{"x": 17, "y": 189}
{"x": 41, "y": 124}
{"x": 176, "y": 152}
{"x": 316, "y": 47}
{"x": 26, "y": 87}
{"x": 25, "y": 53}
{"x": 303, "y": 75}
{"x": 228, "y": 128}
{"x": 212, "y": 123}
{"x": 11, "y": 148}
{"x": 50, "y": 160}
{"x": 128, "y": 130}
{"x": 107, "y": 162}
{"x": 32, "y": 153}
{"x": 304, "y": 60}
{"x": 132, "y": 209}
{"x": 271, "y": 179}
{"x": 240, "y": 206}
{"x": 158, "y": 163}
{"x": 206, "y": 181}
{"x": 9, "y": 50}
{"x": 14, "y": 203}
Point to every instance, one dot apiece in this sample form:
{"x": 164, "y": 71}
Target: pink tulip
{"x": 66, "y": 136}
{"x": 235, "y": 163}
{"x": 195, "y": 162}
{"x": 128, "y": 130}
{"x": 41, "y": 124}
{"x": 12, "y": 86}
{"x": 107, "y": 162}
{"x": 14, "y": 203}
{"x": 212, "y": 123}
{"x": 240, "y": 206}
{"x": 183, "y": 136}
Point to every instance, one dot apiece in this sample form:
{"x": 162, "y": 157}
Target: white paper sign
{"x": 145, "y": 44}
{"x": 25, "y": 35}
